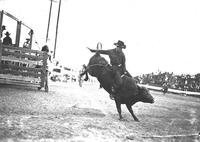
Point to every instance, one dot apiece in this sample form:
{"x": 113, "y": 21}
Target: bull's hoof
{"x": 137, "y": 120}
{"x": 121, "y": 118}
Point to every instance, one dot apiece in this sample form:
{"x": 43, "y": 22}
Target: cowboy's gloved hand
{"x": 89, "y": 49}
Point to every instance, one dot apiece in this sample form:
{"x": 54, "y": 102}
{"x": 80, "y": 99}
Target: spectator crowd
{"x": 184, "y": 82}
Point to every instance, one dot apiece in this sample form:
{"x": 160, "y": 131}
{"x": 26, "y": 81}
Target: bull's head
{"x": 96, "y": 64}
{"x": 144, "y": 95}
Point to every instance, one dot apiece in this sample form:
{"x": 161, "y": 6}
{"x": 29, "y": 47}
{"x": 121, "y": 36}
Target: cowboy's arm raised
{"x": 107, "y": 52}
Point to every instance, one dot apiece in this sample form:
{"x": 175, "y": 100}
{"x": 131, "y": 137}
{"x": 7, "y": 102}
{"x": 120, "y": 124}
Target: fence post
{"x": 18, "y": 32}
{"x": 1, "y": 21}
{"x": 31, "y": 38}
{"x": 0, "y": 54}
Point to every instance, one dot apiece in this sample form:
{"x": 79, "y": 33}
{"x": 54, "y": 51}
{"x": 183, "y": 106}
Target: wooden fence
{"x": 20, "y": 66}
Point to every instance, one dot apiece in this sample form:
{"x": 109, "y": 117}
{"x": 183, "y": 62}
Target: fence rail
{"x": 188, "y": 93}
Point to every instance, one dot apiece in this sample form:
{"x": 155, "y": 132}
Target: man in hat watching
{"x": 7, "y": 40}
{"x": 117, "y": 60}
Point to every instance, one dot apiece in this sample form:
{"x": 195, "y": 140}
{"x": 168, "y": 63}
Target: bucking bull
{"x": 98, "y": 67}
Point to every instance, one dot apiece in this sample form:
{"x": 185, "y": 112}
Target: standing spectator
{"x": 165, "y": 87}
{"x": 45, "y": 48}
{"x": 7, "y": 40}
{"x": 80, "y": 72}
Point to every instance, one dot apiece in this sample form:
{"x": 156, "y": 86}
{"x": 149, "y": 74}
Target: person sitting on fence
{"x": 26, "y": 43}
{"x": 7, "y": 40}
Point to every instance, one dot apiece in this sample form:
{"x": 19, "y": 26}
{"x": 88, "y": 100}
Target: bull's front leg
{"x": 131, "y": 111}
{"x": 118, "y": 105}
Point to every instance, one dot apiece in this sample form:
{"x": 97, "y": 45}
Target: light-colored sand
{"x": 71, "y": 113}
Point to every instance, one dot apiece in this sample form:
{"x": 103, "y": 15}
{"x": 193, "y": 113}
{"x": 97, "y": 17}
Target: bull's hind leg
{"x": 118, "y": 105}
{"x": 131, "y": 111}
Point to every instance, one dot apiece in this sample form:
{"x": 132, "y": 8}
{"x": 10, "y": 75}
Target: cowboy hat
{"x": 7, "y": 33}
{"x": 120, "y": 44}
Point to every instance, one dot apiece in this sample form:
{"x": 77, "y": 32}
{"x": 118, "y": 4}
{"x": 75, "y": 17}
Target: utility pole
{"x": 47, "y": 35}
{"x": 57, "y": 29}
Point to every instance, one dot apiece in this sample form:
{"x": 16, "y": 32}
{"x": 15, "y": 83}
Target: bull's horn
{"x": 99, "y": 45}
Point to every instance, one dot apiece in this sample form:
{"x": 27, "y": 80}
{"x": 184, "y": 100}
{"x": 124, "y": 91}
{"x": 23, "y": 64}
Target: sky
{"x": 159, "y": 34}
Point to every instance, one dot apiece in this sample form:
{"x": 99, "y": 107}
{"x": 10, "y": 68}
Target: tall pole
{"x": 49, "y": 21}
{"x": 57, "y": 29}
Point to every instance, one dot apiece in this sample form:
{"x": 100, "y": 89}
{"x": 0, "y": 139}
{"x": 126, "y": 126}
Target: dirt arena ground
{"x": 81, "y": 114}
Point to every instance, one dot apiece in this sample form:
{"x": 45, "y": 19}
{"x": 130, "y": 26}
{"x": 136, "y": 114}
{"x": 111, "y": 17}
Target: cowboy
{"x": 117, "y": 60}
{"x": 7, "y": 40}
